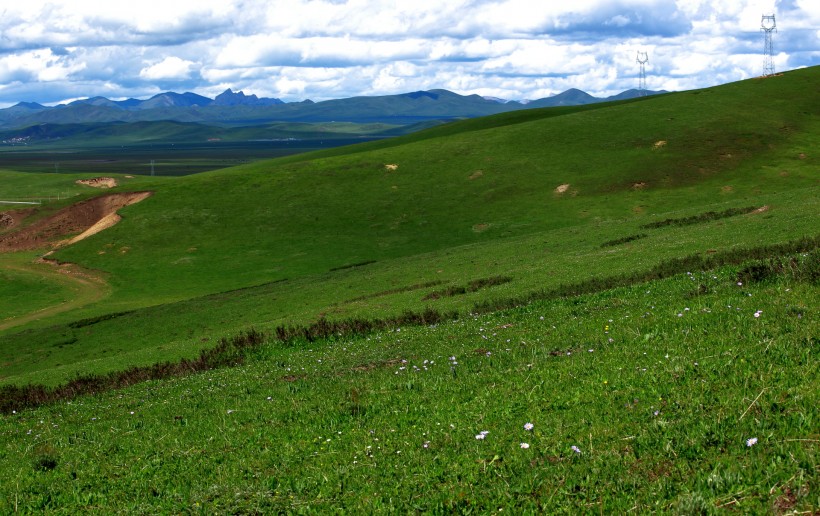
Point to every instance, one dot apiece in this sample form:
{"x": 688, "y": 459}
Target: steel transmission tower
{"x": 642, "y": 59}
{"x": 768, "y": 25}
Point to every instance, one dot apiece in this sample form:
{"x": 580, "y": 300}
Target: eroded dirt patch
{"x": 98, "y": 182}
{"x": 562, "y": 188}
{"x": 6, "y": 220}
{"x": 11, "y": 218}
{"x": 71, "y": 224}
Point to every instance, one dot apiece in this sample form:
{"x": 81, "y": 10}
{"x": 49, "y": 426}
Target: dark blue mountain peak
{"x": 419, "y": 94}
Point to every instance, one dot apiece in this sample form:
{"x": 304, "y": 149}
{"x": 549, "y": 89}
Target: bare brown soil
{"x": 9, "y": 219}
{"x": 6, "y": 220}
{"x": 562, "y": 188}
{"x": 98, "y": 182}
{"x": 68, "y": 225}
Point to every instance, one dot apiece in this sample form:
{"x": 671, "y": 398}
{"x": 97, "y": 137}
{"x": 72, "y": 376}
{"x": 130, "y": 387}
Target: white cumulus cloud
{"x": 52, "y": 50}
{"x": 171, "y": 67}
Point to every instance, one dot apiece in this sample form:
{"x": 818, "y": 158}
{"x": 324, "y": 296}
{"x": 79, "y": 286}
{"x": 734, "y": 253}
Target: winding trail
{"x": 82, "y": 288}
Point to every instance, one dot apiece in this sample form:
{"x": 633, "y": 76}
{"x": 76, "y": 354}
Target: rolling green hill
{"x": 598, "y": 308}
{"x": 470, "y": 187}
{"x": 530, "y": 195}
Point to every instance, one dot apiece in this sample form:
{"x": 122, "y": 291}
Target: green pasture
{"x": 694, "y": 394}
{"x": 339, "y": 234}
{"x": 533, "y": 262}
{"x": 268, "y": 221}
{"x": 599, "y": 275}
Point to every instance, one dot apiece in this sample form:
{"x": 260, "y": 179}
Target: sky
{"x": 62, "y": 50}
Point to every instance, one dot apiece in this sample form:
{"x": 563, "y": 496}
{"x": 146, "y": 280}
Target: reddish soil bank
{"x": 69, "y": 225}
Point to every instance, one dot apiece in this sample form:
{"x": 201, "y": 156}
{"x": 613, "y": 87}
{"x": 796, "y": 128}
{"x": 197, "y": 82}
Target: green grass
{"x": 19, "y": 284}
{"x": 660, "y": 386}
{"x": 272, "y": 243}
{"x": 303, "y": 217}
{"x": 539, "y": 261}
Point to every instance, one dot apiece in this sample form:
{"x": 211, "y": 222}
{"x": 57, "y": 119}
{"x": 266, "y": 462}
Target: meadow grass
{"x": 691, "y": 394}
{"x": 533, "y": 263}
{"x": 301, "y": 216}
{"x": 337, "y": 234}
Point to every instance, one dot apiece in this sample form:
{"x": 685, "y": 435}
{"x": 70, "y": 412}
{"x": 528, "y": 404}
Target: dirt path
{"x": 82, "y": 288}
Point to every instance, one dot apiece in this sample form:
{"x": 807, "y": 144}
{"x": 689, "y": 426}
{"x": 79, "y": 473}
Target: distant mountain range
{"x": 238, "y": 109}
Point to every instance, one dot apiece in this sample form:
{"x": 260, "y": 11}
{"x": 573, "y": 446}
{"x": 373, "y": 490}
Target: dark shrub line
{"x": 703, "y": 217}
{"x": 94, "y": 320}
{"x": 807, "y": 270}
{"x": 399, "y": 290}
{"x": 227, "y": 352}
{"x": 665, "y": 269}
{"x": 324, "y": 329}
{"x": 352, "y": 265}
{"x": 231, "y": 352}
{"x": 472, "y": 286}
{"x": 624, "y": 240}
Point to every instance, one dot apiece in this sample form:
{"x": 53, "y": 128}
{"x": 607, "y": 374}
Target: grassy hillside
{"x": 688, "y": 395}
{"x": 350, "y": 209}
{"x": 618, "y": 307}
{"x": 339, "y": 234}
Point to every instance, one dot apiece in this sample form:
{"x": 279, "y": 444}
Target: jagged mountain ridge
{"x": 237, "y": 108}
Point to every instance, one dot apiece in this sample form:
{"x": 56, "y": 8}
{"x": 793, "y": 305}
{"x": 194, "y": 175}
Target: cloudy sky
{"x": 61, "y": 50}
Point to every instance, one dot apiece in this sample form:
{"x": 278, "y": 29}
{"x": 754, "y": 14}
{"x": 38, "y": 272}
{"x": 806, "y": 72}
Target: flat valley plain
{"x": 599, "y": 308}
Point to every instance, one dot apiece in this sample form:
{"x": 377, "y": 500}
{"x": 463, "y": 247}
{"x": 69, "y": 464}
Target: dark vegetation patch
{"x": 45, "y": 458}
{"x": 666, "y": 269}
{"x": 807, "y": 270}
{"x": 472, "y": 286}
{"x": 352, "y": 265}
{"x": 701, "y": 290}
{"x": 703, "y": 217}
{"x": 227, "y": 294}
{"x": 230, "y": 352}
{"x": 324, "y": 329}
{"x": 94, "y": 320}
{"x": 624, "y": 240}
{"x": 399, "y": 290}
{"x": 65, "y": 342}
